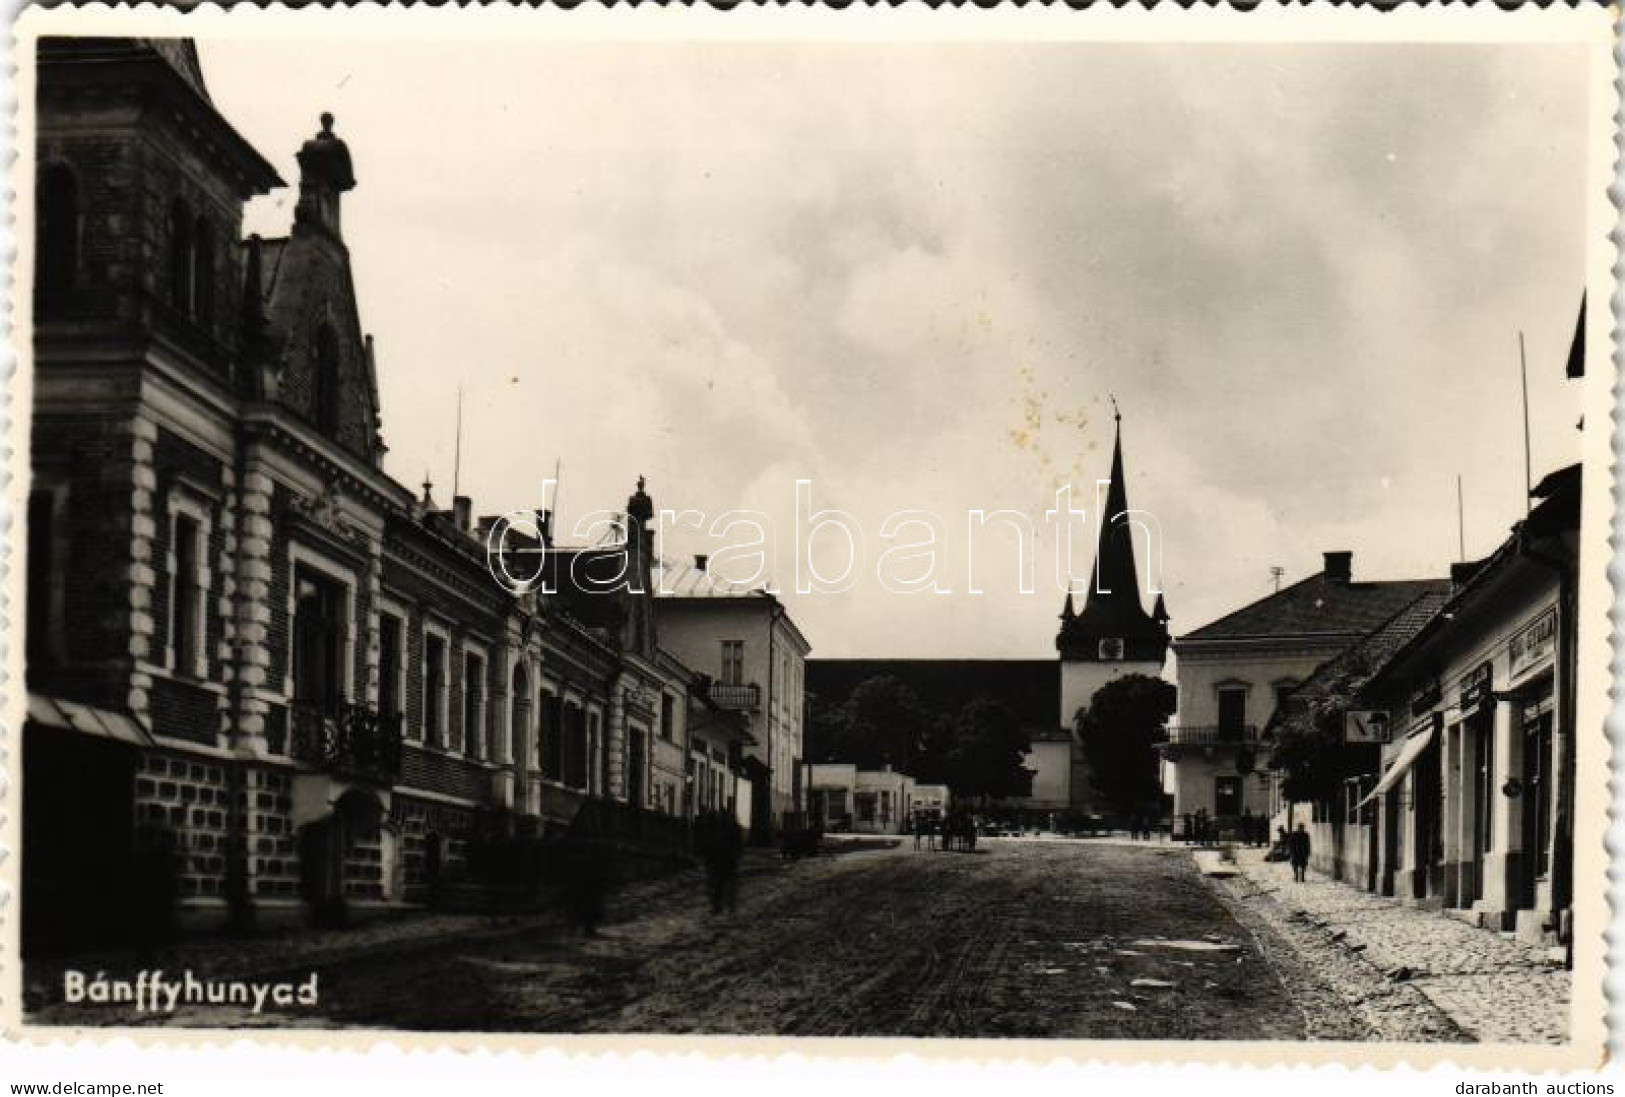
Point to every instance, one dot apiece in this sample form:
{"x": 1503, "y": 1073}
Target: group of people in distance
{"x": 957, "y": 831}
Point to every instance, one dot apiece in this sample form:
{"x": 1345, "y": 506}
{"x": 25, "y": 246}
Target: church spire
{"x": 1115, "y": 582}
{"x": 1112, "y": 623}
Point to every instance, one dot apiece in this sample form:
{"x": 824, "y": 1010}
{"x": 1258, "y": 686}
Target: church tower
{"x": 1112, "y": 635}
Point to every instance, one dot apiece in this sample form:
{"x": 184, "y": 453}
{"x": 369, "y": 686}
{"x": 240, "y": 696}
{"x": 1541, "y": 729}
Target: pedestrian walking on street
{"x": 1298, "y": 851}
{"x": 720, "y": 846}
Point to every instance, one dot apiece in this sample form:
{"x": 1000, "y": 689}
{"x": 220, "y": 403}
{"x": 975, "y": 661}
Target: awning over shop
{"x": 1408, "y": 754}
{"x": 62, "y": 715}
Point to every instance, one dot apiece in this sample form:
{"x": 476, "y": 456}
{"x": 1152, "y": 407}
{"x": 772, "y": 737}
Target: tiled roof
{"x": 1031, "y": 687}
{"x": 1318, "y": 606}
{"x": 1345, "y": 673}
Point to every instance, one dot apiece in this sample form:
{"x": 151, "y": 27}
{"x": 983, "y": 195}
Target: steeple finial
{"x": 1117, "y": 414}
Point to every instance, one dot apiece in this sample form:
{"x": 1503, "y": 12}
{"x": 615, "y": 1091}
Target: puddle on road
{"x": 1190, "y": 946}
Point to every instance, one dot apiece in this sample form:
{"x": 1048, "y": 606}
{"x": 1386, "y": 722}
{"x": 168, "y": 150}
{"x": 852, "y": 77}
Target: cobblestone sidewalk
{"x": 1494, "y": 989}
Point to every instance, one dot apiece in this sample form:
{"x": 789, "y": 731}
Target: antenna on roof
{"x": 1528, "y": 476}
{"x": 558, "y": 473}
{"x": 1461, "y": 524}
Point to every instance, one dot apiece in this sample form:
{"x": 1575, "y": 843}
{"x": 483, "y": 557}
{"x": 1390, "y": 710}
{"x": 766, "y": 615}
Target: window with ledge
{"x": 202, "y": 302}
{"x": 434, "y": 688}
{"x": 668, "y": 718}
{"x": 320, "y": 640}
{"x": 1232, "y": 709}
{"x": 575, "y": 747}
{"x": 188, "y": 585}
{"x": 325, "y": 386}
{"x": 550, "y": 736}
{"x": 391, "y": 633}
{"x": 182, "y": 256}
{"x": 56, "y": 239}
{"x": 733, "y": 662}
{"x": 473, "y": 704}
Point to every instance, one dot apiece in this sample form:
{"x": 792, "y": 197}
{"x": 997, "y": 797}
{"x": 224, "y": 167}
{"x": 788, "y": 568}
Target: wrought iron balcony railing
{"x": 351, "y": 739}
{"x": 1211, "y": 736}
{"x": 740, "y": 697}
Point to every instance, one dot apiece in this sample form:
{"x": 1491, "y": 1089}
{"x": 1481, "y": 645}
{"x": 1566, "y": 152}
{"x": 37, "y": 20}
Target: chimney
{"x": 701, "y": 560}
{"x": 1339, "y": 567}
{"x": 462, "y": 511}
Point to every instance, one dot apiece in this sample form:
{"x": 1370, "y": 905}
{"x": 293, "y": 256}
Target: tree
{"x": 986, "y": 750}
{"x": 1308, "y": 751}
{"x": 1119, "y": 732}
{"x": 881, "y": 722}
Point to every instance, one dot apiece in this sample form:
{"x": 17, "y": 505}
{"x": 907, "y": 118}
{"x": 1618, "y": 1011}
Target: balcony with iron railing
{"x": 352, "y": 740}
{"x": 740, "y": 697}
{"x": 1212, "y": 735}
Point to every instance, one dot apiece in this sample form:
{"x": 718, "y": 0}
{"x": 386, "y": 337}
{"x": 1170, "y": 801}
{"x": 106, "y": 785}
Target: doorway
{"x": 1226, "y": 797}
{"x": 1537, "y": 794}
{"x": 1428, "y": 795}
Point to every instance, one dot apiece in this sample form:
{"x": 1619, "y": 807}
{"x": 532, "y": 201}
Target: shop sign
{"x": 1535, "y": 643}
{"x": 1426, "y": 696}
{"x": 1475, "y": 688}
{"x": 1365, "y": 727}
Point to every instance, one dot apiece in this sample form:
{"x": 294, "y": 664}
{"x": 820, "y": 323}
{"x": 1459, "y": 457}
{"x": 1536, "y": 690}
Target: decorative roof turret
{"x": 325, "y": 173}
{"x": 639, "y": 507}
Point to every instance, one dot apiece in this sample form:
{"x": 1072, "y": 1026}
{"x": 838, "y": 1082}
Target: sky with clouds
{"x": 914, "y": 275}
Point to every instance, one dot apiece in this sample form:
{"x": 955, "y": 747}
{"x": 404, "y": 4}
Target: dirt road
{"x": 1029, "y": 939}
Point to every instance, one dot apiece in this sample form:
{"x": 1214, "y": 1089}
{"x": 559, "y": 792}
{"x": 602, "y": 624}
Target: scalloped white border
{"x": 1166, "y": 22}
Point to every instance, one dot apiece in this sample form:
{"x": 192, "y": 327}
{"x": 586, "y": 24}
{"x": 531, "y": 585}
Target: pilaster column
{"x": 251, "y": 594}
{"x": 1503, "y": 865}
{"x": 142, "y": 579}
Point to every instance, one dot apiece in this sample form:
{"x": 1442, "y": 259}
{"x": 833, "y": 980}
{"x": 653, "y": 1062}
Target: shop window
{"x": 56, "y": 240}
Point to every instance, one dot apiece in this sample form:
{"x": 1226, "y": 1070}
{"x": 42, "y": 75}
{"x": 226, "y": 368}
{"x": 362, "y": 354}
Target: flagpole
{"x": 1528, "y": 475}
{"x": 1461, "y": 524}
{"x": 457, "y": 453}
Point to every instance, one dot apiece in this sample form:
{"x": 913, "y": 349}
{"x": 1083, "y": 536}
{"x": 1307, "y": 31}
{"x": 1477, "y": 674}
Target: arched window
{"x": 180, "y": 256}
{"x": 325, "y": 390}
{"x": 56, "y": 254}
{"x": 203, "y": 271}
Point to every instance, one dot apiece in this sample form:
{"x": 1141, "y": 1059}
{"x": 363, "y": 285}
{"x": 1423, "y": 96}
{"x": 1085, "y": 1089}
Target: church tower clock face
{"x": 1111, "y": 648}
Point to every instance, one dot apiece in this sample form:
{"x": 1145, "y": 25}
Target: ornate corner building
{"x": 265, "y": 678}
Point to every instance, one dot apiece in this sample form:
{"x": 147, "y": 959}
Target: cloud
{"x": 913, "y": 274}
